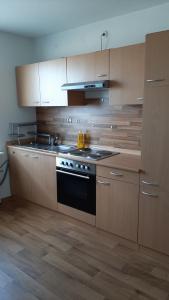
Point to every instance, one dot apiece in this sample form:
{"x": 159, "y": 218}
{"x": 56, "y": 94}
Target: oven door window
{"x": 77, "y": 192}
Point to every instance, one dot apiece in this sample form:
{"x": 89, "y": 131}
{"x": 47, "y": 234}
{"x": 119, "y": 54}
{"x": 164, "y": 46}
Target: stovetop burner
{"x": 93, "y": 154}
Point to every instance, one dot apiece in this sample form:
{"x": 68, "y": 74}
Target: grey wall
{"x": 123, "y": 30}
{"x": 14, "y": 50}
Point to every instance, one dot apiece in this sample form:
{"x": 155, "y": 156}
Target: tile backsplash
{"x": 117, "y": 126}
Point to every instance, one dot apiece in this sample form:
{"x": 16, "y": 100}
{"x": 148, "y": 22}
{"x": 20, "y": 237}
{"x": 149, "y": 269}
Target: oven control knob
{"x": 87, "y": 168}
{"x": 77, "y": 166}
{"x": 67, "y": 164}
{"x": 71, "y": 165}
{"x": 82, "y": 166}
{"x": 63, "y": 163}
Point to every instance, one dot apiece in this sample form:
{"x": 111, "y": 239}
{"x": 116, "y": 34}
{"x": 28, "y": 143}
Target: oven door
{"x": 76, "y": 190}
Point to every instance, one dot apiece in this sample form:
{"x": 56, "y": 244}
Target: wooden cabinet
{"x": 27, "y": 82}
{"x": 155, "y": 143}
{"x": 88, "y": 67}
{"x": 157, "y": 58}
{"x": 20, "y": 173}
{"x": 52, "y": 75}
{"x": 154, "y": 188}
{"x": 33, "y": 177}
{"x": 127, "y": 75}
{"x": 154, "y": 218}
{"x": 117, "y": 204}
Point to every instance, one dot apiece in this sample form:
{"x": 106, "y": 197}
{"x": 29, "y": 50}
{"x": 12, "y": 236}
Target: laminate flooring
{"x": 45, "y": 255}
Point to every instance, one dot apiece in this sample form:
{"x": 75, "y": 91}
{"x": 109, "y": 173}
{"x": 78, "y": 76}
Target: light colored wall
{"x": 123, "y": 30}
{"x": 14, "y": 50}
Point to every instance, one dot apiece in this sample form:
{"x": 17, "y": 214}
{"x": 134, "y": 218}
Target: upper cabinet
{"x": 157, "y": 58}
{"x": 52, "y": 75}
{"x": 40, "y": 84}
{"x": 88, "y": 67}
{"x": 127, "y": 75}
{"x": 27, "y": 81}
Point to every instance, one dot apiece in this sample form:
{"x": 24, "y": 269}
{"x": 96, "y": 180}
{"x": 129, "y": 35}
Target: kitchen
{"x": 87, "y": 149}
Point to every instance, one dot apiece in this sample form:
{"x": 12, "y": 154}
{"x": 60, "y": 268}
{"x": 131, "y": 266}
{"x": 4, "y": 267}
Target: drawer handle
{"x": 140, "y": 98}
{"x": 45, "y": 101}
{"x": 103, "y": 182}
{"x": 149, "y": 194}
{"x": 116, "y": 174}
{"x": 101, "y": 75}
{"x": 26, "y": 155}
{"x": 35, "y": 157}
{"x": 155, "y": 80}
{"x": 150, "y": 183}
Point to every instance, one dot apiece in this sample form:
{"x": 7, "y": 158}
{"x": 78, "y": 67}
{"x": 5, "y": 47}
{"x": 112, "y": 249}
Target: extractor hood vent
{"x": 90, "y": 85}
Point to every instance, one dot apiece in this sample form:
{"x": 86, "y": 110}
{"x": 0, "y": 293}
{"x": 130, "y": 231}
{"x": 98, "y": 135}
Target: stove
{"x": 93, "y": 153}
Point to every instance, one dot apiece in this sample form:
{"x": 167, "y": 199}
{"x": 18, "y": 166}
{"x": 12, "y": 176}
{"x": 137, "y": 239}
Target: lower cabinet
{"x": 117, "y": 207}
{"x": 154, "y": 218}
{"x": 33, "y": 177}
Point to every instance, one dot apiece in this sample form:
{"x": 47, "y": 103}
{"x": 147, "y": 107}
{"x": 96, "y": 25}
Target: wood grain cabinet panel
{"x": 88, "y": 67}
{"x": 27, "y": 82}
{"x": 33, "y": 177}
{"x": 52, "y": 75}
{"x": 155, "y": 142}
{"x": 154, "y": 219}
{"x": 117, "y": 207}
{"x": 157, "y": 58}
{"x": 127, "y": 74}
{"x": 19, "y": 163}
{"x": 43, "y": 180}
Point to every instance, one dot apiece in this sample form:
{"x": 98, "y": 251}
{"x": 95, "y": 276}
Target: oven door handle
{"x": 73, "y": 174}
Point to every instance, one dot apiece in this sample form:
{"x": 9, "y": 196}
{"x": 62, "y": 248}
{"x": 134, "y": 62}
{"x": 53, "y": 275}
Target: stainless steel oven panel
{"x": 74, "y": 165}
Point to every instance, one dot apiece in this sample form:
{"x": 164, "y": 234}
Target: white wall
{"x": 14, "y": 50}
{"x": 123, "y": 30}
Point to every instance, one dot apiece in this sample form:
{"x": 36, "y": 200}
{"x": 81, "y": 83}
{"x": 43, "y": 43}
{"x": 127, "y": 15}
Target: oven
{"x": 76, "y": 184}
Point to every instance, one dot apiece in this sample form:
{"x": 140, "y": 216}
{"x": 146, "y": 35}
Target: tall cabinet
{"x": 154, "y": 185}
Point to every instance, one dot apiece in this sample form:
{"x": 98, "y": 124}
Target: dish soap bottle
{"x": 87, "y": 139}
{"x": 80, "y": 140}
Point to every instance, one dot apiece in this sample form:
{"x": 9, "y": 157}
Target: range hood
{"x": 90, "y": 85}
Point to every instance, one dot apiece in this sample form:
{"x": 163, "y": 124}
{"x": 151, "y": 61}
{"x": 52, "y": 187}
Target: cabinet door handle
{"x": 35, "y": 157}
{"x": 155, "y": 80}
{"x": 45, "y": 101}
{"x": 101, "y": 75}
{"x": 149, "y": 194}
{"x": 103, "y": 182}
{"x": 116, "y": 174}
{"x": 140, "y": 98}
{"x": 150, "y": 183}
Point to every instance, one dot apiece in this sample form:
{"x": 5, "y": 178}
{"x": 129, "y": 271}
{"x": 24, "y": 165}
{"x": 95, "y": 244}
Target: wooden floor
{"x": 45, "y": 255}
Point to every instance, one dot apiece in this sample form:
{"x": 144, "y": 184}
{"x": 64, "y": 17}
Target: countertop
{"x": 124, "y": 161}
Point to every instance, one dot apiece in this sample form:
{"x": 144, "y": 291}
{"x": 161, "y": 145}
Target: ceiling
{"x": 35, "y": 18}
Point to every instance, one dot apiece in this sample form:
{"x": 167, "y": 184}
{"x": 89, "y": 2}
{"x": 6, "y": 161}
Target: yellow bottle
{"x": 80, "y": 140}
{"x": 87, "y": 139}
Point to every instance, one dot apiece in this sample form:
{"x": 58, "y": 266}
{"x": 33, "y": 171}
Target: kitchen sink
{"x": 58, "y": 148}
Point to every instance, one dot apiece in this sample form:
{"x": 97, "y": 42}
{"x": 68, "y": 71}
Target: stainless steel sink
{"x": 58, "y": 148}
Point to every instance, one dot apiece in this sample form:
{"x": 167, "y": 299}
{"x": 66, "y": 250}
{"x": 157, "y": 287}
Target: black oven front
{"x": 76, "y": 184}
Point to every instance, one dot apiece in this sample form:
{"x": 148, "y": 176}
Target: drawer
{"x": 117, "y": 174}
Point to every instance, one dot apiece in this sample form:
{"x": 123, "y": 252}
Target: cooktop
{"x": 92, "y": 153}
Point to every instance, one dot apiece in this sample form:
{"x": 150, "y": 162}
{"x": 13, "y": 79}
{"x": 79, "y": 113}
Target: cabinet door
{"x": 117, "y": 207}
{"x": 157, "y": 58}
{"x": 88, "y": 67}
{"x": 52, "y": 75}
{"x": 27, "y": 80}
{"x": 154, "y": 219}
{"x": 43, "y": 180}
{"x": 20, "y": 173}
{"x": 155, "y": 142}
{"x": 127, "y": 75}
